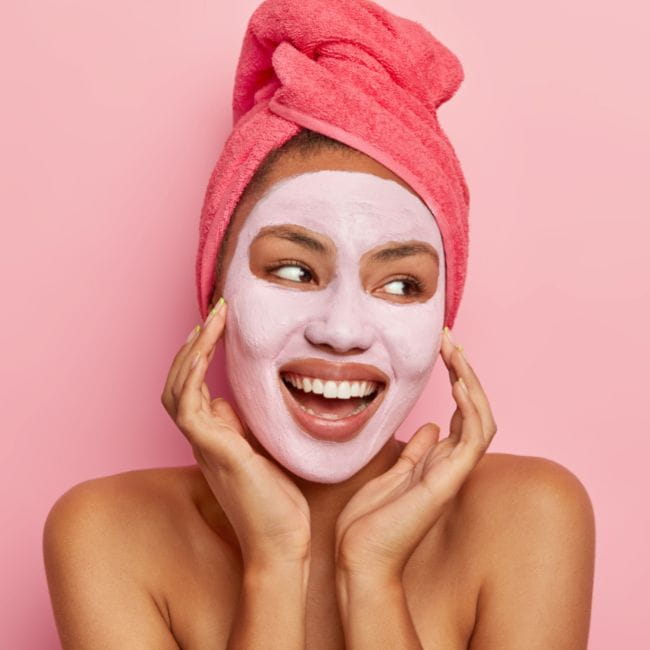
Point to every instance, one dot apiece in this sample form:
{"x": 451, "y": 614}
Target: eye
{"x": 404, "y": 287}
{"x": 293, "y": 271}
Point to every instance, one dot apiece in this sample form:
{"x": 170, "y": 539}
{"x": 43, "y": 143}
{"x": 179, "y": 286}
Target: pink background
{"x": 113, "y": 116}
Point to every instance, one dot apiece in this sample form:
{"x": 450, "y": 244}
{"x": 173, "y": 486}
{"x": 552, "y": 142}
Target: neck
{"x": 327, "y": 500}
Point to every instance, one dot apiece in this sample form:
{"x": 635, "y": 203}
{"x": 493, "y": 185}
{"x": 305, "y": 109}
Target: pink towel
{"x": 357, "y": 73}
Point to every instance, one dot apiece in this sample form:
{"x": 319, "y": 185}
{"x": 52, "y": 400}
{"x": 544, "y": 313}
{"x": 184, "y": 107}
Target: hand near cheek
{"x": 266, "y": 509}
{"x": 386, "y": 519}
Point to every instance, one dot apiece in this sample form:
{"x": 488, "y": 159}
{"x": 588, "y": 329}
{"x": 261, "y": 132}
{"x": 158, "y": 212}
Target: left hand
{"x": 386, "y": 519}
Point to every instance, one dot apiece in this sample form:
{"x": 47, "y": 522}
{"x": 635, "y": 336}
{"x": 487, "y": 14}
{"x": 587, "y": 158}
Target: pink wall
{"x": 113, "y": 115}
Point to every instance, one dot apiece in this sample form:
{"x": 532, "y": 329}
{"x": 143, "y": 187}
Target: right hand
{"x": 269, "y": 513}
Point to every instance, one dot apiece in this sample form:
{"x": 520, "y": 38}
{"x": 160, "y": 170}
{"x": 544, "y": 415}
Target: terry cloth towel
{"x": 353, "y": 71}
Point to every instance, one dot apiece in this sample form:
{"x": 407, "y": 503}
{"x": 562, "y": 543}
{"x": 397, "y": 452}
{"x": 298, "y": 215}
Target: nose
{"x": 344, "y": 327}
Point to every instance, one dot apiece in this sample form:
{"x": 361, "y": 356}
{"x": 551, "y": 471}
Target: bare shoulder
{"x": 122, "y": 497}
{"x": 508, "y": 494}
{"x": 511, "y": 485}
{"x": 143, "y": 508}
{"x": 531, "y": 521}
{"x": 105, "y": 541}
{"x": 133, "y": 513}
{"x": 158, "y": 519}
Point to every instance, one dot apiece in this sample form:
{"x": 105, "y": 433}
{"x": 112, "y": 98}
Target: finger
{"x": 168, "y": 399}
{"x": 190, "y": 398}
{"x": 456, "y": 424}
{"x": 473, "y": 442}
{"x": 204, "y": 387}
{"x": 421, "y": 441}
{"x": 205, "y": 391}
{"x": 218, "y": 434}
{"x": 203, "y": 344}
{"x": 446, "y": 350}
{"x": 463, "y": 369}
{"x": 181, "y": 355}
{"x": 221, "y": 408}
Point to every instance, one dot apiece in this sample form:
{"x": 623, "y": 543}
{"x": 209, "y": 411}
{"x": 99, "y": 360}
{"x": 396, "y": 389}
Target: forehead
{"x": 354, "y": 208}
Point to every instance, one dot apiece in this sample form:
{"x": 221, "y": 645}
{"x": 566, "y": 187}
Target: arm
{"x": 97, "y": 599}
{"x": 271, "y": 606}
{"x": 375, "y": 614}
{"x": 371, "y": 550}
{"x": 537, "y": 593}
{"x": 268, "y": 512}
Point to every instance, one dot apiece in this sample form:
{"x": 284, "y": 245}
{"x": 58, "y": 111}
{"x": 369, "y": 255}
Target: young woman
{"x": 305, "y": 523}
{"x": 432, "y": 544}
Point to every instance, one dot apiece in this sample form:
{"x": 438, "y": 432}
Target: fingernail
{"x": 448, "y": 334}
{"x": 193, "y": 333}
{"x": 214, "y": 310}
{"x": 462, "y": 383}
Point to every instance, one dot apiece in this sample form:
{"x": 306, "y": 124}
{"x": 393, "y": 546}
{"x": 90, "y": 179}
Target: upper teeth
{"x": 330, "y": 388}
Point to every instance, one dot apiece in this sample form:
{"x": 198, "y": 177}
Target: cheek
{"x": 262, "y": 316}
{"x": 248, "y": 328}
{"x": 413, "y": 338}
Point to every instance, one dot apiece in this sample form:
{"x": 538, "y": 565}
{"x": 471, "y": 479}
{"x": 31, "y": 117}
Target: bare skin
{"x": 507, "y": 564}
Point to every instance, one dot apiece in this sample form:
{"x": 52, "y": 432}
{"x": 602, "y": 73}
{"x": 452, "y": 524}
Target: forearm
{"x": 375, "y": 614}
{"x": 271, "y": 606}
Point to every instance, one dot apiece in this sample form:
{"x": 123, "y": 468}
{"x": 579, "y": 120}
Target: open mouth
{"x": 331, "y": 409}
{"x": 330, "y": 399}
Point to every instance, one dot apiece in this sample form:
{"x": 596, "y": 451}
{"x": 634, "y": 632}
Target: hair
{"x": 303, "y": 143}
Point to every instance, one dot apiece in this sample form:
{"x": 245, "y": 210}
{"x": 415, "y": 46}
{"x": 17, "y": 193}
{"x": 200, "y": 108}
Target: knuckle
{"x": 169, "y": 405}
{"x": 166, "y": 400}
{"x": 185, "y": 419}
{"x": 490, "y": 427}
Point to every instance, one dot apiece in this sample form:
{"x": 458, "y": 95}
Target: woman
{"x": 305, "y": 522}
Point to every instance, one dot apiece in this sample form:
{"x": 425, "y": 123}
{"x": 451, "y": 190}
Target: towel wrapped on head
{"x": 353, "y": 71}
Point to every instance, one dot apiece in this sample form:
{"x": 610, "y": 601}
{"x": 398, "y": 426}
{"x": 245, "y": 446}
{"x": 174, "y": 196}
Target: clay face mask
{"x": 328, "y": 350}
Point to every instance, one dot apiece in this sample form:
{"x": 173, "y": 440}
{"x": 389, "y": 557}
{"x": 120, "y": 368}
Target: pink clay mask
{"x": 321, "y": 429}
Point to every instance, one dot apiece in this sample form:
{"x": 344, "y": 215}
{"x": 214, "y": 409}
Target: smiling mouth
{"x": 331, "y": 400}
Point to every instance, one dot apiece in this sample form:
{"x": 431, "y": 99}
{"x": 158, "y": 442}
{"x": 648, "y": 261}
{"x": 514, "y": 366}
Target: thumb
{"x": 224, "y": 444}
{"x": 421, "y": 441}
{"x": 221, "y": 409}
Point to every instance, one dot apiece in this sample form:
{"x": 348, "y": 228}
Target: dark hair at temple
{"x": 303, "y": 143}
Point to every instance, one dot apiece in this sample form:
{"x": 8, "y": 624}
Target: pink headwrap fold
{"x": 353, "y": 71}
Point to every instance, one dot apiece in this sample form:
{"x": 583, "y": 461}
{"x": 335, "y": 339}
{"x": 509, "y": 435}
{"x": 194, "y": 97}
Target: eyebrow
{"x": 400, "y": 251}
{"x": 300, "y": 238}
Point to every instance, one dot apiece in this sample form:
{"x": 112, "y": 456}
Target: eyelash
{"x": 414, "y": 282}
{"x": 406, "y": 279}
{"x": 279, "y": 265}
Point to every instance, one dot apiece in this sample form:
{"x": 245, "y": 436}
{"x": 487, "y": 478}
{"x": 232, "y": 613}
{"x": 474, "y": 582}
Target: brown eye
{"x": 404, "y": 287}
{"x": 292, "y": 271}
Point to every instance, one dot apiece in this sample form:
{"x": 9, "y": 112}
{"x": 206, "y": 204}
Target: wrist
{"x": 365, "y": 587}
{"x": 272, "y": 605}
{"x": 367, "y": 575}
{"x": 277, "y": 575}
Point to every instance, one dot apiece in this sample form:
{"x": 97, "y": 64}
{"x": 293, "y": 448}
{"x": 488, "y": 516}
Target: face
{"x": 335, "y": 287}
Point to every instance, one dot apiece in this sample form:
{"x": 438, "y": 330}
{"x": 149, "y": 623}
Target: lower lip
{"x": 325, "y": 429}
